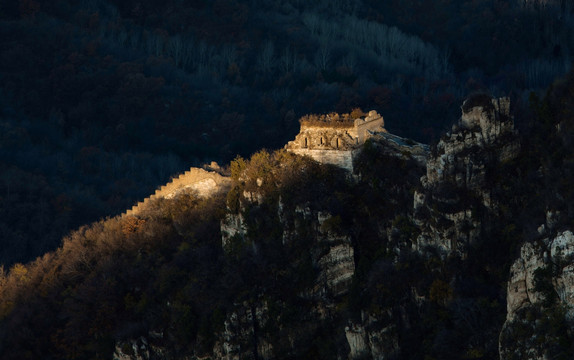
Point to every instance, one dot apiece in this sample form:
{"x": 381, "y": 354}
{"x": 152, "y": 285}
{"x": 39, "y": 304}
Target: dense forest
{"x": 101, "y": 101}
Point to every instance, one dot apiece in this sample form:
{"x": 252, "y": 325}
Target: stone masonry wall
{"x": 340, "y": 158}
{"x": 337, "y": 144}
{"x": 373, "y": 122}
{"x": 206, "y": 183}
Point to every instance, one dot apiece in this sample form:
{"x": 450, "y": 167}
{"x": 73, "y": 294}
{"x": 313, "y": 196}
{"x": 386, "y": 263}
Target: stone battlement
{"x": 332, "y": 139}
{"x": 204, "y": 182}
{"x": 335, "y": 139}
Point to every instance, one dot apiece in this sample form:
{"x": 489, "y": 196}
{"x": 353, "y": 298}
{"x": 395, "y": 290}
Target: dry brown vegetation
{"x": 72, "y": 303}
{"x": 110, "y": 280}
{"x": 332, "y": 120}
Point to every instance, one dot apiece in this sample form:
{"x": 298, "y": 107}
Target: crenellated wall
{"x": 205, "y": 183}
{"x": 365, "y": 127}
{"x": 336, "y": 143}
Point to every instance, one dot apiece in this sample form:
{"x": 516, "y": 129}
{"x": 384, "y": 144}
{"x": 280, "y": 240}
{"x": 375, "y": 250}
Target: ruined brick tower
{"x": 335, "y": 139}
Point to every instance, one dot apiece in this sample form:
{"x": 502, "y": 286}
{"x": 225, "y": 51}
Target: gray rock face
{"x": 338, "y": 264}
{"x": 132, "y": 350}
{"x": 240, "y": 340}
{"x": 357, "y": 339}
{"x": 233, "y": 225}
{"x": 337, "y": 269}
{"x": 372, "y": 339}
{"x": 457, "y": 171}
{"x": 543, "y": 271}
{"x": 143, "y": 348}
{"x": 332, "y": 255}
{"x": 558, "y": 251}
{"x": 520, "y": 287}
{"x": 482, "y": 135}
{"x": 336, "y": 259}
{"x": 334, "y": 252}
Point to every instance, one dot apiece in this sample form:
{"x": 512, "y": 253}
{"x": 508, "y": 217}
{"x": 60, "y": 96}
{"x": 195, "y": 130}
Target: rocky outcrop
{"x": 372, "y": 339}
{"x": 403, "y": 148}
{"x": 318, "y": 250}
{"x": 132, "y": 350}
{"x": 337, "y": 269}
{"x": 337, "y": 264}
{"x": 454, "y": 189}
{"x": 143, "y": 348}
{"x": 241, "y": 338}
{"x": 232, "y": 226}
{"x": 484, "y": 133}
{"x": 520, "y": 289}
{"x": 334, "y": 254}
{"x": 540, "y": 297}
{"x": 332, "y": 269}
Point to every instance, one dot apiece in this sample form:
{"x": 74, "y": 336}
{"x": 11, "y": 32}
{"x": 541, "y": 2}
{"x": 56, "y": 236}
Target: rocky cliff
{"x": 456, "y": 187}
{"x": 451, "y": 215}
{"x": 540, "y": 302}
{"x": 408, "y": 200}
{"x": 421, "y": 252}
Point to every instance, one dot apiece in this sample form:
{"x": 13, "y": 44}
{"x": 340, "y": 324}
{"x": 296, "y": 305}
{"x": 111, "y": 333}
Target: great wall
{"x": 336, "y": 140}
{"x": 330, "y": 139}
{"x": 205, "y": 182}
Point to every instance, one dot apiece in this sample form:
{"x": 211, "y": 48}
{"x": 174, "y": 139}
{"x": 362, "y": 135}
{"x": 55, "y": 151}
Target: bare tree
{"x": 266, "y": 59}
{"x": 155, "y": 44}
{"x": 323, "y": 57}
{"x": 229, "y": 54}
{"x": 312, "y": 22}
{"x": 176, "y": 51}
{"x": 349, "y": 61}
{"x": 287, "y": 61}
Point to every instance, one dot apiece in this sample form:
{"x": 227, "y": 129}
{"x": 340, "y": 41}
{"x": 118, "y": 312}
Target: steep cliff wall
{"x": 455, "y": 189}
{"x": 390, "y": 263}
{"x": 540, "y": 297}
{"x": 333, "y": 253}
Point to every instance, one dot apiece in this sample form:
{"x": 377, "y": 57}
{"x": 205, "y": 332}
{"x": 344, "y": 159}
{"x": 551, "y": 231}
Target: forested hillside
{"x": 403, "y": 259}
{"x": 101, "y": 101}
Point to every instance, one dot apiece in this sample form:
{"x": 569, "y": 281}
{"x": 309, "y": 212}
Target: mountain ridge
{"x": 399, "y": 259}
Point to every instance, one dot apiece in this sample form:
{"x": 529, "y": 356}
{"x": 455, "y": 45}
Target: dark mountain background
{"x": 101, "y": 101}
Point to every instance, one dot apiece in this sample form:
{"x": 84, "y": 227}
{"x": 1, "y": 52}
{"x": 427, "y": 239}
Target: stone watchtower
{"x": 335, "y": 139}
